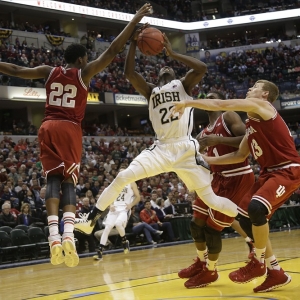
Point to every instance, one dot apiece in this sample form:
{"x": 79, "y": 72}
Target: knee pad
{"x": 53, "y": 186}
{"x": 257, "y": 213}
{"x": 213, "y": 240}
{"x": 197, "y": 232}
{"x": 246, "y": 225}
{"x": 68, "y": 194}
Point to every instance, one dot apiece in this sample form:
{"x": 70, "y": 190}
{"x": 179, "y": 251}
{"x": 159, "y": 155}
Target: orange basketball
{"x": 150, "y": 41}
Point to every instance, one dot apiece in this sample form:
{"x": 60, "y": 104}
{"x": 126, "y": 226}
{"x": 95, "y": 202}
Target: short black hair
{"x": 73, "y": 52}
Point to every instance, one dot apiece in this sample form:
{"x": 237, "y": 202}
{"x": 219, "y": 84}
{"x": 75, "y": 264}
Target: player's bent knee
{"x": 213, "y": 240}
{"x": 246, "y": 225}
{"x": 53, "y": 187}
{"x": 125, "y": 177}
{"x": 257, "y": 213}
{"x": 68, "y": 194}
{"x": 197, "y": 232}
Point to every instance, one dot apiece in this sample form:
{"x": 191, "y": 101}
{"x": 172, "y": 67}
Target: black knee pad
{"x": 197, "y": 232}
{"x": 246, "y": 226}
{"x": 257, "y": 213}
{"x": 213, "y": 240}
{"x": 68, "y": 194}
{"x": 53, "y": 186}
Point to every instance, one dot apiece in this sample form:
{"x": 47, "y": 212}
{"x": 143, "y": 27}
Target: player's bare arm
{"x": 231, "y": 158}
{"x": 118, "y": 43}
{"x": 137, "y": 196}
{"x": 136, "y": 79}
{"x": 197, "y": 67}
{"x": 213, "y": 140}
{"x": 24, "y": 72}
{"x": 255, "y": 107}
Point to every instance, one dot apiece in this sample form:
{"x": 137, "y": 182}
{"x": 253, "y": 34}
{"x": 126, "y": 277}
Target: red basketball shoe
{"x": 251, "y": 271}
{"x": 274, "y": 280}
{"x": 193, "y": 269}
{"x": 202, "y": 279}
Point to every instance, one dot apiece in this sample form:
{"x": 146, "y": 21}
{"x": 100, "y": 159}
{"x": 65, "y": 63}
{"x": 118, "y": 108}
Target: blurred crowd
{"x": 184, "y": 11}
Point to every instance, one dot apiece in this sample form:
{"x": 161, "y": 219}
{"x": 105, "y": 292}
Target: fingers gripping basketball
{"x": 150, "y": 41}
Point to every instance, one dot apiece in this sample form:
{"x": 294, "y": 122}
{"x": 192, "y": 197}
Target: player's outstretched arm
{"x": 197, "y": 67}
{"x": 257, "y": 106}
{"x": 231, "y": 158}
{"x": 24, "y": 72}
{"x": 118, "y": 43}
{"x": 136, "y": 79}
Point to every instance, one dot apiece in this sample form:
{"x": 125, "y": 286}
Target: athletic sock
{"x": 211, "y": 264}
{"x": 272, "y": 263}
{"x": 69, "y": 219}
{"x": 53, "y": 225}
{"x": 260, "y": 254}
{"x": 202, "y": 254}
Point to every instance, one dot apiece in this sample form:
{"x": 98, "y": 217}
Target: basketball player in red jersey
{"x": 269, "y": 141}
{"x": 223, "y": 135}
{"x": 60, "y": 134}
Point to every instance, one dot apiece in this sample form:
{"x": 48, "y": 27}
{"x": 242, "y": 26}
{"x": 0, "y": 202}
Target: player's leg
{"x": 109, "y": 224}
{"x": 209, "y": 273}
{"x": 146, "y": 164}
{"x": 237, "y": 227}
{"x": 120, "y": 226}
{"x": 52, "y": 206}
{"x": 198, "y": 178}
{"x": 256, "y": 267}
{"x": 197, "y": 227}
{"x": 68, "y": 203}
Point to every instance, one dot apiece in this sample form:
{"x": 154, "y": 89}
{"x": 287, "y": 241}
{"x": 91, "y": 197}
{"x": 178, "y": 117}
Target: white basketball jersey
{"x": 125, "y": 197}
{"x": 160, "y": 104}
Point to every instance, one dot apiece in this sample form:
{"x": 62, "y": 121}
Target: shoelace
{"x": 248, "y": 268}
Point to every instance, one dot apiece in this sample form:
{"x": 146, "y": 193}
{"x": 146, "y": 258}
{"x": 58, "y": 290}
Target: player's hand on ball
{"x": 178, "y": 109}
{"x": 138, "y": 31}
{"x": 145, "y": 10}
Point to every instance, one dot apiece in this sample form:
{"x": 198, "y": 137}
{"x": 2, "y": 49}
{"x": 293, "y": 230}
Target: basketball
{"x": 150, "y": 41}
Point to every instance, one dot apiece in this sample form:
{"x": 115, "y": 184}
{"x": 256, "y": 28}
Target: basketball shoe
{"x": 83, "y": 225}
{"x": 126, "y": 246}
{"x": 99, "y": 255}
{"x": 274, "y": 280}
{"x": 68, "y": 245}
{"x": 193, "y": 269}
{"x": 94, "y": 215}
{"x": 251, "y": 249}
{"x": 202, "y": 279}
{"x": 56, "y": 250}
{"x": 252, "y": 270}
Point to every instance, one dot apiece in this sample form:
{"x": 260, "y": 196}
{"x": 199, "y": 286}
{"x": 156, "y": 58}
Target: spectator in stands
{"x": 149, "y": 216}
{"x": 160, "y": 211}
{"x": 6, "y": 218}
{"x": 137, "y": 227}
{"x": 297, "y": 141}
{"x": 25, "y": 217}
{"x": 10, "y": 196}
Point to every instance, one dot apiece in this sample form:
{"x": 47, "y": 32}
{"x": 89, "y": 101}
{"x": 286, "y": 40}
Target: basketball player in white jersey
{"x": 174, "y": 150}
{"x": 118, "y": 216}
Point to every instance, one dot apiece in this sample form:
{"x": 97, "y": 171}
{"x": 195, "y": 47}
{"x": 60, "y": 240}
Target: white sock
{"x": 247, "y": 239}
{"x": 69, "y": 219}
{"x": 260, "y": 254}
{"x": 202, "y": 254}
{"x": 272, "y": 263}
{"x": 53, "y": 225}
{"x": 211, "y": 264}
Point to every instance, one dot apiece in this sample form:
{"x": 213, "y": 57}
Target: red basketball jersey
{"x": 270, "y": 142}
{"x": 66, "y": 95}
{"x": 220, "y": 129}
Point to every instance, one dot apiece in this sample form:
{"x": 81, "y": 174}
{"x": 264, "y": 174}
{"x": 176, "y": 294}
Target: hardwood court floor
{"x": 149, "y": 274}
